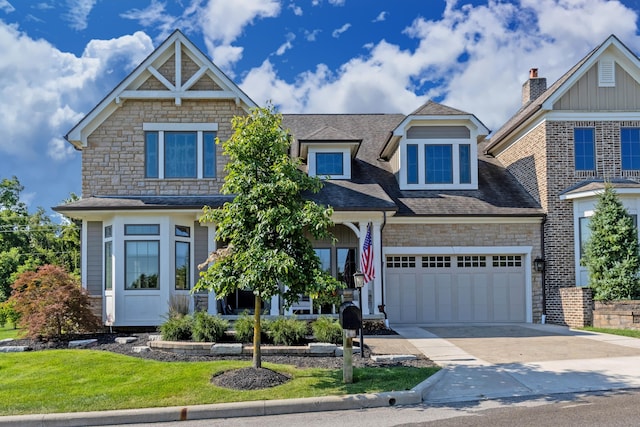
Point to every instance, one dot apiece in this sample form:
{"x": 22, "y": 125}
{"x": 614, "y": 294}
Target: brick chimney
{"x": 534, "y": 87}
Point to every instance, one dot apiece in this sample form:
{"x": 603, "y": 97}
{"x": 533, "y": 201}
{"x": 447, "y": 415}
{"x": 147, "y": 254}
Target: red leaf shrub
{"x": 52, "y": 304}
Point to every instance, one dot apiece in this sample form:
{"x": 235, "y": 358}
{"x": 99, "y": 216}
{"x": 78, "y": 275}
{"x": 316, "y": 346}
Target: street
{"x": 618, "y": 408}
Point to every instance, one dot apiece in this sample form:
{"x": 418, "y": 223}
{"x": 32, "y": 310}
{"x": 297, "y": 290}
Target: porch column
{"x": 364, "y": 304}
{"x": 376, "y": 237}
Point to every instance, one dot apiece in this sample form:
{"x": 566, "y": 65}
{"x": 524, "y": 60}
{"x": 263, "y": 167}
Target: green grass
{"x": 8, "y": 332}
{"x": 624, "y": 332}
{"x": 87, "y": 380}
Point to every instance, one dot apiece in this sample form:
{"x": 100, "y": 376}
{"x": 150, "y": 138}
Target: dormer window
{"x": 329, "y": 162}
{"x": 329, "y": 152}
{"x": 438, "y": 157}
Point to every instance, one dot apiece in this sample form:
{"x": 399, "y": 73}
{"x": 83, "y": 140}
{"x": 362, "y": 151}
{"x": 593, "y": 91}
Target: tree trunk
{"x": 257, "y": 331}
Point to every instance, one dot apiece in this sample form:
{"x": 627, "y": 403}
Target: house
{"x": 562, "y": 145}
{"x": 457, "y": 219}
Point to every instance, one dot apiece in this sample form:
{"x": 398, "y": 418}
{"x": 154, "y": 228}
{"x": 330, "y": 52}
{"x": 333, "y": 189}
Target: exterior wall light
{"x": 539, "y": 264}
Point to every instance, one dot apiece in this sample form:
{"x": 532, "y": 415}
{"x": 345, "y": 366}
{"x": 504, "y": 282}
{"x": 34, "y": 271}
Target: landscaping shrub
{"x": 326, "y": 329}
{"x": 177, "y": 328}
{"x": 178, "y": 305}
{"x": 287, "y": 331}
{"x": 51, "y": 303}
{"x": 208, "y": 328}
{"x": 243, "y": 326}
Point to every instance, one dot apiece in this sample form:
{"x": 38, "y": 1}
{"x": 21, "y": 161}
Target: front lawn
{"x": 623, "y": 332}
{"x": 89, "y": 380}
{"x": 9, "y": 332}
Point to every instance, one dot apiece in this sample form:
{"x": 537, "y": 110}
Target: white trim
{"x": 180, "y": 127}
{"x": 596, "y": 193}
{"x": 476, "y": 250}
{"x": 597, "y": 116}
{"x": 338, "y": 149}
{"x": 456, "y": 250}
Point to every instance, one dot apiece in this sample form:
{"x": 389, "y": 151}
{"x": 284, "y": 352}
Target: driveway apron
{"x": 514, "y": 360}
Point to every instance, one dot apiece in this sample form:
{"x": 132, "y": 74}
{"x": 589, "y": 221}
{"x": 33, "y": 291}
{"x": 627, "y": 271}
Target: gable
{"x": 589, "y": 94}
{"x": 175, "y": 71}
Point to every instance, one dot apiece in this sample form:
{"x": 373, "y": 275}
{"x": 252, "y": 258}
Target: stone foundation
{"x": 617, "y": 314}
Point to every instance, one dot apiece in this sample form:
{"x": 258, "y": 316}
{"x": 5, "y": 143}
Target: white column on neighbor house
{"x": 275, "y": 305}
{"x": 212, "y": 302}
{"x": 376, "y": 237}
{"x": 364, "y": 304}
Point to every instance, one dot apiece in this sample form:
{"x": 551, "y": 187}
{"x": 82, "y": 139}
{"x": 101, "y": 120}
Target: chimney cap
{"x": 533, "y": 73}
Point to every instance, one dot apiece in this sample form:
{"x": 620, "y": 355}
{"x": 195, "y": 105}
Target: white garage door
{"x": 455, "y": 288}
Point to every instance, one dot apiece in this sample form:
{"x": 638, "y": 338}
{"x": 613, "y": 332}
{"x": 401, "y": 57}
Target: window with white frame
{"x": 182, "y": 257}
{"x": 330, "y": 162}
{"x": 180, "y": 150}
{"x": 141, "y": 257}
{"x": 438, "y": 158}
{"x": 108, "y": 257}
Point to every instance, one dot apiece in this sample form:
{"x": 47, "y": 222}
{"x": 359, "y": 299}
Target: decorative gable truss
{"x": 176, "y": 70}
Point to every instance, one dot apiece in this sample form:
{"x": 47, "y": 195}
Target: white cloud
{"x": 49, "y": 95}
{"x": 286, "y": 45}
{"x": 474, "y": 58}
{"x": 222, "y": 22}
{"x": 381, "y": 17}
{"x": 78, "y": 13}
{"x": 311, "y": 36}
{"x": 58, "y": 149}
{"x": 297, "y": 10}
{"x": 6, "y": 7}
{"x": 337, "y": 2}
{"x": 338, "y": 32}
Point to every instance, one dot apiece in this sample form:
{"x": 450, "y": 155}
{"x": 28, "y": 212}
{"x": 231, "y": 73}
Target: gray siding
{"x": 94, "y": 257}
{"x": 200, "y": 248}
{"x": 586, "y": 95}
{"x": 438, "y": 132}
{"x": 345, "y": 238}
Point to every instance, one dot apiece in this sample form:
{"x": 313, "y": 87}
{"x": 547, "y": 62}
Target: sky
{"x": 59, "y": 58}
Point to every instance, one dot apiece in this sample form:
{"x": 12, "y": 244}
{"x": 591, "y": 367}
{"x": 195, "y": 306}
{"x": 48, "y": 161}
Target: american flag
{"x": 366, "y": 258}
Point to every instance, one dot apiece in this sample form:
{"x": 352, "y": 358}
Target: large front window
{"x": 142, "y": 264}
{"x": 180, "y": 150}
{"x": 630, "y": 148}
{"x": 584, "y": 147}
{"x": 426, "y": 165}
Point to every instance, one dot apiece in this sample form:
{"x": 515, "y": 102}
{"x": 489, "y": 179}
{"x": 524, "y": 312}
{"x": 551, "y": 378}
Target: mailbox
{"x": 350, "y": 317}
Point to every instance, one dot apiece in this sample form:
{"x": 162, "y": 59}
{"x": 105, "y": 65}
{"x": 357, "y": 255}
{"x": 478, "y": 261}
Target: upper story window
{"x": 584, "y": 148}
{"x": 330, "y": 162}
{"x": 436, "y": 157}
{"x": 630, "y": 148}
{"x": 180, "y": 150}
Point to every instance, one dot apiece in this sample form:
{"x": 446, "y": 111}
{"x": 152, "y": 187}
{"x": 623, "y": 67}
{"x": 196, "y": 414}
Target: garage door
{"x": 455, "y": 288}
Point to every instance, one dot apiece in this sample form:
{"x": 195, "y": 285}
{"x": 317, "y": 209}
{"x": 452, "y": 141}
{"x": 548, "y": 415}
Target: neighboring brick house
{"x": 562, "y": 145}
{"x": 455, "y": 234}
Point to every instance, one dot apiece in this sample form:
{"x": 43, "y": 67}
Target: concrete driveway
{"x": 514, "y": 360}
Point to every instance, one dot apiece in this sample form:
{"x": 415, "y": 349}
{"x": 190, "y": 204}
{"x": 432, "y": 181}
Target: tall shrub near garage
{"x": 51, "y": 303}
{"x": 611, "y": 253}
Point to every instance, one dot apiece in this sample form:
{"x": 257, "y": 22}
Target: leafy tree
{"x": 28, "y": 241}
{"x": 52, "y": 303}
{"x": 611, "y": 253}
{"x": 265, "y": 224}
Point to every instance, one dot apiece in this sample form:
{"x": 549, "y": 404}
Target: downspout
{"x": 381, "y": 307}
{"x": 544, "y": 272}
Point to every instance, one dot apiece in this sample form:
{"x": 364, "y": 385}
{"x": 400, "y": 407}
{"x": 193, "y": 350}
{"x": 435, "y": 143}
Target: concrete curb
{"x": 225, "y": 410}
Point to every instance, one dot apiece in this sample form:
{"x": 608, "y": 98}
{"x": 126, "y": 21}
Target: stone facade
{"x": 113, "y": 163}
{"x": 617, "y": 314}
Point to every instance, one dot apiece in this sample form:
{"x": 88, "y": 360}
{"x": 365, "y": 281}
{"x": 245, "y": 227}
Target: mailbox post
{"x": 351, "y": 321}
